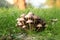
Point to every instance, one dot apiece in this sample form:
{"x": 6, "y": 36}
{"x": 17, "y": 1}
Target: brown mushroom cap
{"x": 29, "y": 21}
{"x": 39, "y": 25}
{"x": 30, "y": 13}
{"x": 20, "y": 24}
{"x": 21, "y": 19}
{"x": 23, "y": 15}
{"x": 35, "y": 17}
{"x": 28, "y": 16}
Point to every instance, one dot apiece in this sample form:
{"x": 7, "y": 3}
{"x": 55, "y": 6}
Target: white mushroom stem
{"x": 29, "y": 22}
{"x": 30, "y": 26}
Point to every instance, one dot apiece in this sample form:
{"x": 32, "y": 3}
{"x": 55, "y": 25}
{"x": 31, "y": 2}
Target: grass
{"x": 8, "y": 18}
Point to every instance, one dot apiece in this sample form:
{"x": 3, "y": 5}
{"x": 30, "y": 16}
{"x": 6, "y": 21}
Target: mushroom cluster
{"x": 30, "y": 22}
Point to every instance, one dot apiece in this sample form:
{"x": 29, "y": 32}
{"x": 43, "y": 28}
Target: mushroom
{"x": 19, "y": 24}
{"x": 23, "y": 15}
{"x": 39, "y": 26}
{"x": 29, "y": 22}
{"x": 24, "y": 26}
{"x": 30, "y": 13}
{"x": 35, "y": 18}
{"x": 22, "y": 20}
{"x": 28, "y": 16}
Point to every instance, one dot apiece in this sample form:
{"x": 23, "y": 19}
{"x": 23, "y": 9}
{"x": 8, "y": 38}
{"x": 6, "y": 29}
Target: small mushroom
{"x": 30, "y": 13}
{"x": 19, "y": 24}
{"x": 29, "y": 22}
{"x": 39, "y": 26}
{"x": 24, "y": 26}
{"x": 35, "y": 18}
{"x": 22, "y": 20}
{"x": 28, "y": 16}
{"x": 23, "y": 15}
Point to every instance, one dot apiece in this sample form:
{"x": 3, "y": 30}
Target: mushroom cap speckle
{"x": 39, "y": 25}
{"x": 29, "y": 21}
{"x": 23, "y": 15}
